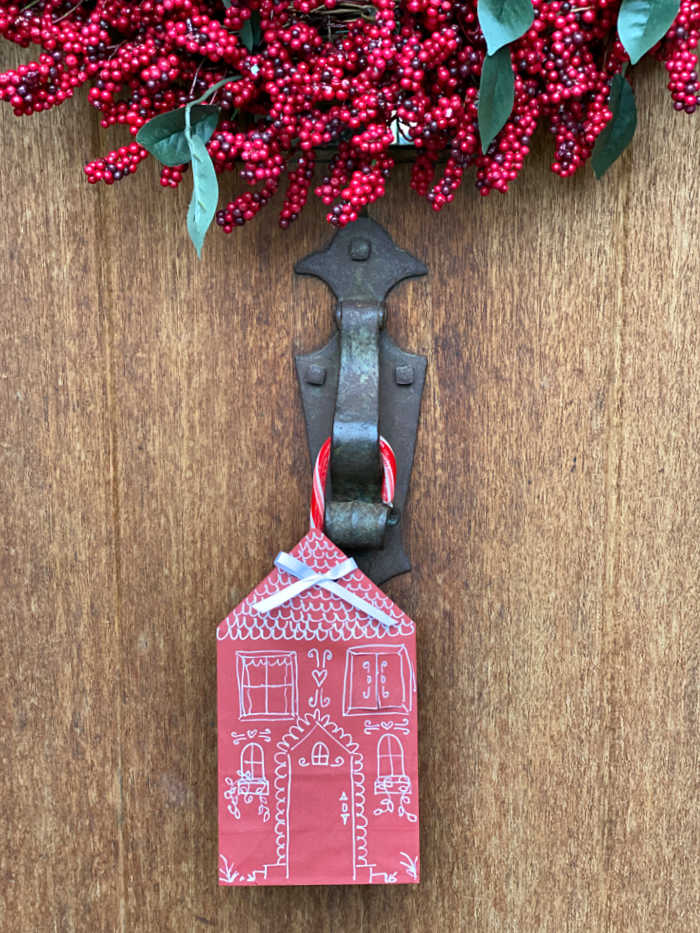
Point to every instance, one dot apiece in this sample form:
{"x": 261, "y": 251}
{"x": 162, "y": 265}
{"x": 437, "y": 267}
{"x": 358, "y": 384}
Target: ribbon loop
{"x": 307, "y": 577}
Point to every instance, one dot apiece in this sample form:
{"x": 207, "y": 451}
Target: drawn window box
{"x": 252, "y": 781}
{"x": 378, "y": 679}
{"x": 391, "y": 768}
{"x": 267, "y": 684}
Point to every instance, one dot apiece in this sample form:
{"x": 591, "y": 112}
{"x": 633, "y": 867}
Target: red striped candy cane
{"x": 388, "y": 456}
{"x": 318, "y": 493}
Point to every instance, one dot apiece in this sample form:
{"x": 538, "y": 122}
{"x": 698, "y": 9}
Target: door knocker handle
{"x": 358, "y": 386}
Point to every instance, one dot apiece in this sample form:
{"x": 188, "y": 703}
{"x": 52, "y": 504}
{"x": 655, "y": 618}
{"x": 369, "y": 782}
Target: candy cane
{"x": 318, "y": 493}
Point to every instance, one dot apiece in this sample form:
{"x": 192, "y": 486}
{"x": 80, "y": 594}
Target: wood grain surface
{"x": 153, "y": 462}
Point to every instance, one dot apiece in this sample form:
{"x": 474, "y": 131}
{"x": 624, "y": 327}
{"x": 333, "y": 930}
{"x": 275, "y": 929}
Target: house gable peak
{"x": 314, "y": 614}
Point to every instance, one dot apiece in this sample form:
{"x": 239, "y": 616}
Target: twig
{"x": 68, "y": 12}
{"x": 196, "y": 75}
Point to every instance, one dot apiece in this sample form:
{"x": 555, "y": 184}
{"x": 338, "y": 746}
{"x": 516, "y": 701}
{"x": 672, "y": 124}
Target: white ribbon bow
{"x": 307, "y": 577}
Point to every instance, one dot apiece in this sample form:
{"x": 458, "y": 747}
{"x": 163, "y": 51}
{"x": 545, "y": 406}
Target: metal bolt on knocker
{"x": 361, "y": 386}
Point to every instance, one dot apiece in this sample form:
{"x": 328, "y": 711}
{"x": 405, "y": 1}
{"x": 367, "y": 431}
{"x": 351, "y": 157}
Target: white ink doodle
{"x": 227, "y": 873}
{"x": 378, "y": 679}
{"x": 319, "y": 674}
{"x": 320, "y": 757}
{"x": 392, "y": 780}
{"x": 251, "y": 783}
{"x": 262, "y": 734}
{"x": 400, "y": 725}
{"x": 317, "y": 738}
{"x": 267, "y": 684}
{"x": 410, "y": 866}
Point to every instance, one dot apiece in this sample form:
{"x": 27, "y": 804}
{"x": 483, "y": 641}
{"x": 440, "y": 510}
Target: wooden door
{"x": 154, "y": 461}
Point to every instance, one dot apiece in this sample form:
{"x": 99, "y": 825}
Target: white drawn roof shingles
{"x": 315, "y": 614}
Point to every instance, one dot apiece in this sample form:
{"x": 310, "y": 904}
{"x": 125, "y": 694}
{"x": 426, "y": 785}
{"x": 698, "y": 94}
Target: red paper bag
{"x": 318, "y": 770}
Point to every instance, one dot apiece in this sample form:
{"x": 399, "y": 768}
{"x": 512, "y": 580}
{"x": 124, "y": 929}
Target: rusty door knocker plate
{"x": 361, "y": 385}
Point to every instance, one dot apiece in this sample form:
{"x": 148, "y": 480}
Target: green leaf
{"x": 496, "y": 95}
{"x": 205, "y": 193}
{"x": 164, "y": 135}
{"x": 641, "y": 23}
{"x": 502, "y": 21}
{"x": 617, "y": 135}
{"x": 251, "y": 32}
{"x": 227, "y": 4}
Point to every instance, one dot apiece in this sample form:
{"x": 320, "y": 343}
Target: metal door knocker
{"x": 359, "y": 386}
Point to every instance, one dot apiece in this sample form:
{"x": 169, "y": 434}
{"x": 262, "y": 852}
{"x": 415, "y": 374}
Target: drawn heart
{"x": 319, "y": 677}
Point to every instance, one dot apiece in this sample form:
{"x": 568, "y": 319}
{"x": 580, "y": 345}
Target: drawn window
{"x": 253, "y": 762}
{"x": 377, "y": 679}
{"x": 319, "y": 754}
{"x": 390, "y": 761}
{"x": 267, "y": 684}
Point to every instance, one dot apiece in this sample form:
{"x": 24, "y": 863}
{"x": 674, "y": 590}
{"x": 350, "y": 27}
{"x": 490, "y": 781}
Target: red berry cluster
{"x": 334, "y": 74}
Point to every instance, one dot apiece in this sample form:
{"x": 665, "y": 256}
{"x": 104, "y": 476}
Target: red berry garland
{"x": 343, "y": 74}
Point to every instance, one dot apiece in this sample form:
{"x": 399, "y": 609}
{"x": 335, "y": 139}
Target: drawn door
{"x": 321, "y": 825}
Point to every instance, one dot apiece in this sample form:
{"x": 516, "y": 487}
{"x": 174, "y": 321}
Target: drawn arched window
{"x": 319, "y": 754}
{"x": 253, "y": 762}
{"x": 390, "y": 762}
{"x": 251, "y": 783}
